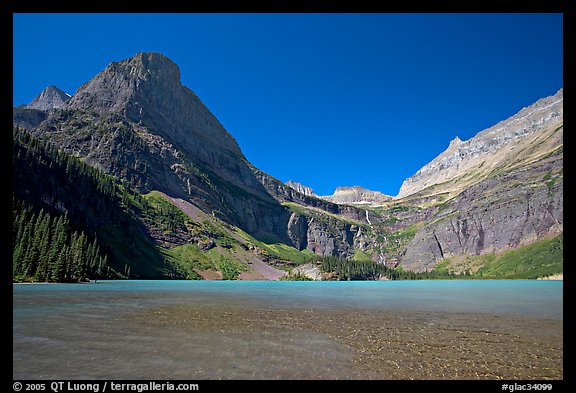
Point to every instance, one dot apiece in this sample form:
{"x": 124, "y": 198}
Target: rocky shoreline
{"x": 559, "y": 277}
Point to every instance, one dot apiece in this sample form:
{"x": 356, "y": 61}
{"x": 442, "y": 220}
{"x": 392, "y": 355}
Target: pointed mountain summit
{"x": 29, "y": 116}
{"x": 146, "y": 89}
{"x": 49, "y": 99}
{"x": 454, "y": 143}
{"x": 115, "y": 88}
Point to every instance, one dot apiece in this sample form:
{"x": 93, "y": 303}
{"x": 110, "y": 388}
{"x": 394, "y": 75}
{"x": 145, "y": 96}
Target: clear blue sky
{"x": 324, "y": 99}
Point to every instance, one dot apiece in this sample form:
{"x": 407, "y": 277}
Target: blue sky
{"x": 324, "y": 99}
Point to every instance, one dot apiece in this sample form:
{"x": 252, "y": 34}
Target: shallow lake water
{"x": 289, "y": 330}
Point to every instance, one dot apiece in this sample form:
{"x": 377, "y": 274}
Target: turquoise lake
{"x": 287, "y": 330}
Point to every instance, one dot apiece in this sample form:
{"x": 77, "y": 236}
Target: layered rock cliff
{"x": 503, "y": 212}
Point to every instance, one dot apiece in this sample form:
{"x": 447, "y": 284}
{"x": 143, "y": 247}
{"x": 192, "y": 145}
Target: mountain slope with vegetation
{"x": 77, "y": 202}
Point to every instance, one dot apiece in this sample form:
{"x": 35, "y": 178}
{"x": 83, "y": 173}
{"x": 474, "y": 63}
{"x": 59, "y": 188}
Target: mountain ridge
{"x": 544, "y": 113}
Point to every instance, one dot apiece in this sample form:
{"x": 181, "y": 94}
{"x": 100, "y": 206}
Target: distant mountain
{"x": 357, "y": 195}
{"x": 210, "y": 213}
{"x": 30, "y": 115}
{"x": 49, "y": 99}
{"x": 354, "y": 195}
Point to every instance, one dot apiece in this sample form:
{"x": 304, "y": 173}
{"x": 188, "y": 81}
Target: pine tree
{"x": 24, "y": 246}
{"x": 79, "y": 268}
{"x": 44, "y": 229}
{"x": 59, "y": 269}
{"x": 91, "y": 257}
{"x": 30, "y": 258}
{"x": 58, "y": 242}
{"x": 102, "y": 262}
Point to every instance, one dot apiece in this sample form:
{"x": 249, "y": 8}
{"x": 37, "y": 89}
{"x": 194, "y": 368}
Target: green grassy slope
{"x": 539, "y": 259}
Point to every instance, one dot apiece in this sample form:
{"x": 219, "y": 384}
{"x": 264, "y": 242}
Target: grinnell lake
{"x": 194, "y": 330}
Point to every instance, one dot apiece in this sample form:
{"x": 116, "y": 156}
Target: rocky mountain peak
{"x": 148, "y": 70}
{"x": 49, "y": 99}
{"x": 114, "y": 88}
{"x": 152, "y": 64}
{"x": 146, "y": 89}
{"x": 455, "y": 142}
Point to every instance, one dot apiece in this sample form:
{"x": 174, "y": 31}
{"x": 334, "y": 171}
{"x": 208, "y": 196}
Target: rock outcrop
{"x": 301, "y": 188}
{"x": 310, "y": 270}
{"x": 298, "y": 231}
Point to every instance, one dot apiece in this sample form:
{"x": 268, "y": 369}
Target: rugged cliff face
{"x": 146, "y": 90}
{"x": 503, "y": 212}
